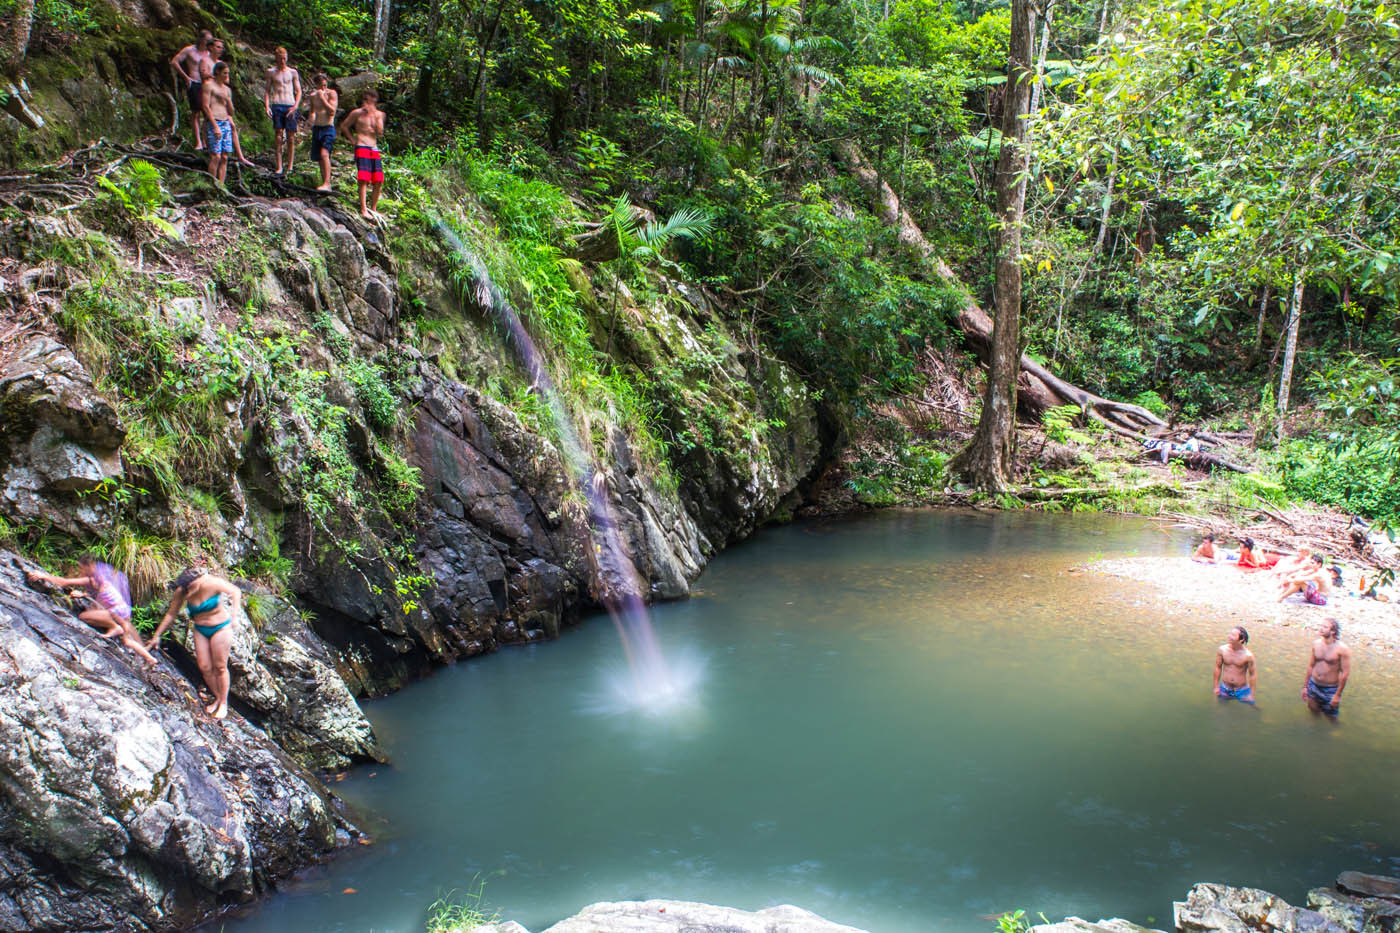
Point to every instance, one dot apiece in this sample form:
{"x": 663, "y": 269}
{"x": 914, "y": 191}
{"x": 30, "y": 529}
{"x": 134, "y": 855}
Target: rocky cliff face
{"x": 266, "y": 393}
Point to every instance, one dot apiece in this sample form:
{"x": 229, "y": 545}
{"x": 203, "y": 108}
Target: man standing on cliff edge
{"x": 281, "y": 99}
{"x": 1329, "y": 667}
{"x": 366, "y": 123}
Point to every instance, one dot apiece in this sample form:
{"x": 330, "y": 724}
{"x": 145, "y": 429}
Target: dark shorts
{"x": 1242, "y": 693}
{"x": 1322, "y": 695}
{"x": 194, "y": 94}
{"x": 322, "y": 139}
{"x": 369, "y": 167}
{"x": 284, "y": 117}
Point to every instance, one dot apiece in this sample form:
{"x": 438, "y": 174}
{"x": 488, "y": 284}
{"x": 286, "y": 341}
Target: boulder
{"x": 682, "y": 917}
{"x": 1219, "y": 907}
{"x": 122, "y": 807}
{"x": 1364, "y": 885}
{"x": 1078, "y": 925}
{"x": 1355, "y": 913}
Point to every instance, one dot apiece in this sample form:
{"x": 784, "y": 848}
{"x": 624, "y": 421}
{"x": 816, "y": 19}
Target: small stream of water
{"x": 903, "y": 722}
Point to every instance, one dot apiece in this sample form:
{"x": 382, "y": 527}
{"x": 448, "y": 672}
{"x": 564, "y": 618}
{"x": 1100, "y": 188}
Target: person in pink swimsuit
{"x": 106, "y": 586}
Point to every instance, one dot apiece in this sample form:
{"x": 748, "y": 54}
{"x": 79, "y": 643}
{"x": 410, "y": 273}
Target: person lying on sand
{"x": 1329, "y": 668}
{"x": 1248, "y": 560}
{"x": 1235, "y": 670}
{"x": 1207, "y": 552}
{"x": 1315, "y": 583}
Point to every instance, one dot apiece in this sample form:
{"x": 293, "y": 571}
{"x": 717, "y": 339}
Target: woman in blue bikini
{"x": 212, "y": 604}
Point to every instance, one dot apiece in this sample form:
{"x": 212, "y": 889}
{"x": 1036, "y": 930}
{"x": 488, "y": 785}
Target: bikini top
{"x": 204, "y": 608}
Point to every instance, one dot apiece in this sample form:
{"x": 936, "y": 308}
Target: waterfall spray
{"x": 618, "y": 584}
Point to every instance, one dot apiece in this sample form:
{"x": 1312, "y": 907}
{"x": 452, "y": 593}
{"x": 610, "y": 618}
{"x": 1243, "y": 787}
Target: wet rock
{"x": 1077, "y": 925}
{"x": 1354, "y": 913}
{"x": 658, "y": 916}
{"x": 1218, "y": 907}
{"x": 1364, "y": 885}
{"x": 121, "y": 806}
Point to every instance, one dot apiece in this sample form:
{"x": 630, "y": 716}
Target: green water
{"x": 904, "y": 723}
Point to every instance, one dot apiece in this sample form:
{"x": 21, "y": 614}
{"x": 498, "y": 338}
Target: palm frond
{"x": 687, "y": 222}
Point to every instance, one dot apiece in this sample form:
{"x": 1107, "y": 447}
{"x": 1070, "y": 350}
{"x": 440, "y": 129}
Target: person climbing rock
{"x": 213, "y": 604}
{"x": 366, "y": 122}
{"x": 323, "y": 101}
{"x": 106, "y": 586}
{"x": 185, "y": 66}
{"x": 281, "y": 100}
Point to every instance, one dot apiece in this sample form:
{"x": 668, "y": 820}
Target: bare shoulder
{"x": 1343, "y": 648}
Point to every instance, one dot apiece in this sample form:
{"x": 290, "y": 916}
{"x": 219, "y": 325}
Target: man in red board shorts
{"x": 366, "y": 123}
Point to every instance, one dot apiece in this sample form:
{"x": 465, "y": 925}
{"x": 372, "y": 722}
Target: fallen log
{"x": 1038, "y": 388}
{"x": 1202, "y": 460}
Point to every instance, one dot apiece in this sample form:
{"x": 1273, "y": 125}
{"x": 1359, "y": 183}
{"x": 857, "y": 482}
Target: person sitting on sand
{"x": 1235, "y": 670}
{"x": 1315, "y": 583}
{"x": 1288, "y": 566}
{"x": 1207, "y": 552}
{"x": 1248, "y": 560}
{"x": 1329, "y": 668}
{"x": 106, "y": 586}
{"x": 204, "y": 596}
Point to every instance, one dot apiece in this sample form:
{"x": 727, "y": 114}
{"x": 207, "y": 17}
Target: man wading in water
{"x": 1329, "y": 667}
{"x": 281, "y": 98}
{"x": 1235, "y": 670}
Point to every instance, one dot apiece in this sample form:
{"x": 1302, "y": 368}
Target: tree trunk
{"x": 382, "y": 10}
{"x": 18, "y": 43}
{"x": 1290, "y": 350}
{"x": 1259, "y": 325}
{"x": 1044, "y": 53}
{"x": 988, "y": 461}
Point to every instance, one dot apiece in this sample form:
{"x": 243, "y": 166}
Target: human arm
{"x": 1253, "y": 672}
{"x": 349, "y": 121}
{"x": 177, "y": 63}
{"x": 204, "y": 93}
{"x": 234, "y": 594}
{"x": 267, "y": 93}
{"x": 1307, "y": 674}
{"x": 296, "y": 87}
{"x": 1344, "y": 656}
{"x": 1219, "y": 663}
{"x": 61, "y": 582}
{"x": 176, "y": 604}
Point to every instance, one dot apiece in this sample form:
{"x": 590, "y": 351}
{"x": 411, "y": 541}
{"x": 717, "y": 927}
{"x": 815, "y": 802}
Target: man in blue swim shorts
{"x": 281, "y": 98}
{"x": 1235, "y": 670}
{"x": 218, "y": 121}
{"x": 1329, "y": 668}
{"x": 324, "y": 101}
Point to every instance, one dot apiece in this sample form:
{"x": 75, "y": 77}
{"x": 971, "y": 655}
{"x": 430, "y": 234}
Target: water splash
{"x": 618, "y": 584}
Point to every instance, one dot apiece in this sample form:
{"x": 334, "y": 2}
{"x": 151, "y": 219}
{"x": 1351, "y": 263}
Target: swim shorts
{"x": 284, "y": 117}
{"x": 1242, "y": 693}
{"x": 368, "y": 165}
{"x": 196, "y": 96}
{"x": 1322, "y": 695}
{"x": 219, "y": 137}
{"x": 322, "y": 139}
{"x": 1311, "y": 594}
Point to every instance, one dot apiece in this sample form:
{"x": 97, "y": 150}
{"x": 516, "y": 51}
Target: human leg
{"x": 102, "y": 620}
{"x": 204, "y": 659}
{"x": 374, "y": 195}
{"x": 219, "y": 646}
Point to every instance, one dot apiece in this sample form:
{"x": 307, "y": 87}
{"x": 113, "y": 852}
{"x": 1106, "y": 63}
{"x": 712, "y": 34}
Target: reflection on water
{"x": 902, "y": 722}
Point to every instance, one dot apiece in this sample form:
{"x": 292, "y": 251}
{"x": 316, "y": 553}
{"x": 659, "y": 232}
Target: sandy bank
{"x": 1251, "y": 598}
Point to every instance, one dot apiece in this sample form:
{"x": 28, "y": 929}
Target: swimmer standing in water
{"x": 1329, "y": 668}
{"x": 1235, "y": 670}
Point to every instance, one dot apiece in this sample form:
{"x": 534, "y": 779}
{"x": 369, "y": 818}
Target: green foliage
{"x": 374, "y": 393}
{"x": 333, "y": 32}
{"x": 1360, "y": 477}
{"x": 1013, "y": 922}
{"x": 1059, "y": 425}
{"x": 459, "y": 912}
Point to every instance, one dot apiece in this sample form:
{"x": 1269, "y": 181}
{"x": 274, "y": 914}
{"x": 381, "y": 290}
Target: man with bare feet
{"x": 216, "y": 53}
{"x": 281, "y": 99}
{"x": 324, "y": 101}
{"x": 218, "y": 111}
{"x": 366, "y": 122}
{"x": 1235, "y": 670}
{"x": 185, "y": 68}
{"x": 1329, "y": 667}
{"x": 1314, "y": 582}
{"x": 106, "y": 586}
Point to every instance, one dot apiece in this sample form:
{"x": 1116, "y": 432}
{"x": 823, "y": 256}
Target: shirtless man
{"x": 1329, "y": 666}
{"x": 1206, "y": 552}
{"x": 218, "y": 111}
{"x": 206, "y": 67}
{"x": 1235, "y": 671}
{"x": 324, "y": 101}
{"x": 185, "y": 67}
{"x": 366, "y": 122}
{"x": 1290, "y": 565}
{"x": 281, "y": 99}
{"x": 1314, "y": 582}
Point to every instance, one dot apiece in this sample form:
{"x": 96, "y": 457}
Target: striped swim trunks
{"x": 369, "y": 166}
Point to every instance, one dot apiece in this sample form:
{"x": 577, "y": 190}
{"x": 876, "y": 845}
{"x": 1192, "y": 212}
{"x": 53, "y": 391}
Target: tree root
{"x": 1038, "y": 388}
